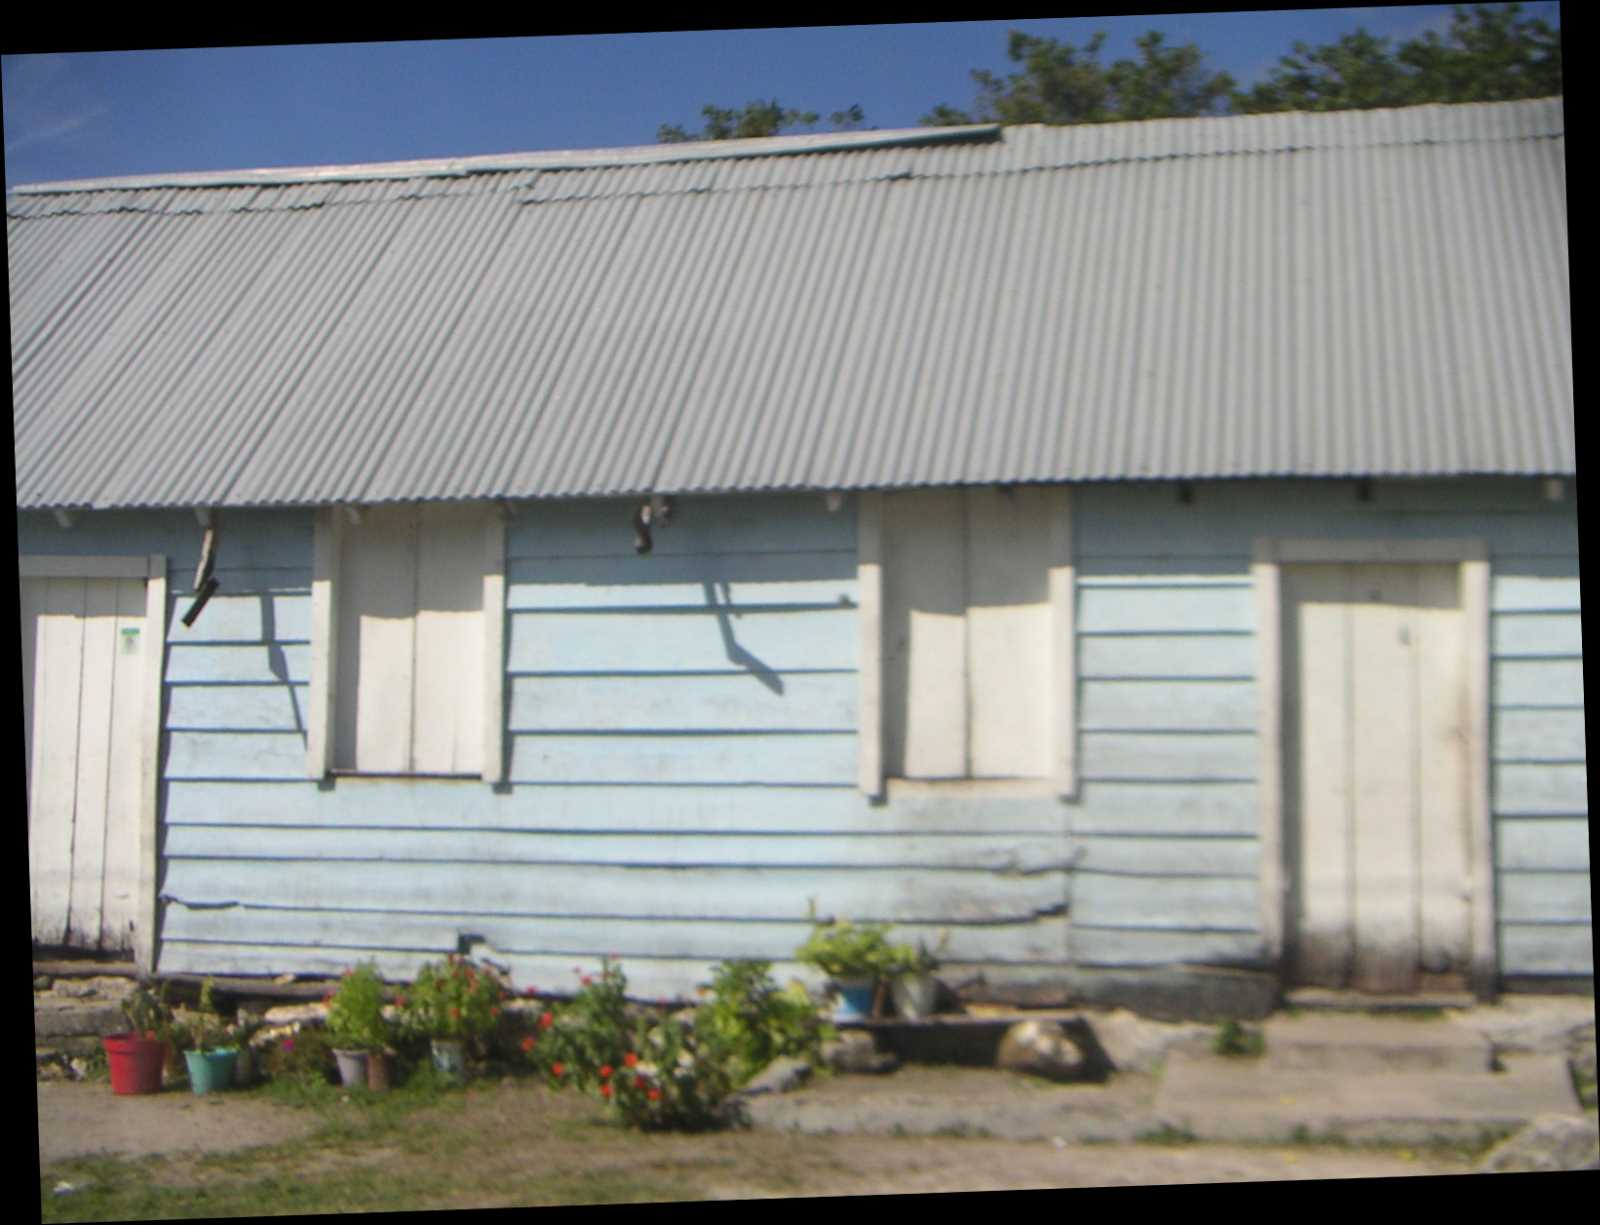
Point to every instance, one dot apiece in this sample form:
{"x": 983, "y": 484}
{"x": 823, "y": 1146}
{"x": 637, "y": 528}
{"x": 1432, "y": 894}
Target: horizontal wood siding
{"x": 1167, "y": 702}
{"x": 682, "y": 749}
{"x": 682, "y": 733}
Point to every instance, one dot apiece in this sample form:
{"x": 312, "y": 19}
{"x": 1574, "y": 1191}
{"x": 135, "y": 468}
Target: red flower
{"x": 528, "y": 1043}
{"x": 560, "y": 1069}
{"x": 605, "y": 1071}
{"x": 495, "y": 1011}
{"x": 455, "y": 1014}
{"x": 605, "y": 1090}
{"x": 630, "y": 1059}
{"x": 585, "y": 980}
{"x": 547, "y": 1020}
{"x": 654, "y": 1095}
{"x": 638, "y": 1082}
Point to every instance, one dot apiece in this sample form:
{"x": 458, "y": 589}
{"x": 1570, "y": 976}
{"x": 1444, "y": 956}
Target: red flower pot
{"x": 135, "y": 1062}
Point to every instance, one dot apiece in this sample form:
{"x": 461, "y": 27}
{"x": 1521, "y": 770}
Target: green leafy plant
{"x": 918, "y": 960}
{"x": 203, "y": 1028}
{"x": 753, "y": 1021}
{"x": 457, "y": 999}
{"x": 355, "y": 1010}
{"x": 844, "y": 950}
{"x": 147, "y": 1012}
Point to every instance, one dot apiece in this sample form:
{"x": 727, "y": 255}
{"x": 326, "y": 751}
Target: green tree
{"x": 1061, "y": 83}
{"x": 1491, "y": 54}
{"x": 757, "y": 118}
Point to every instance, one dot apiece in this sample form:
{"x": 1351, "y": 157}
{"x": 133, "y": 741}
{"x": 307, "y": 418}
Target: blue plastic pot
{"x": 854, "y": 999}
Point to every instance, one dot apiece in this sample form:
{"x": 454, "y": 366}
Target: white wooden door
{"x": 1376, "y": 776}
{"x": 82, "y": 667}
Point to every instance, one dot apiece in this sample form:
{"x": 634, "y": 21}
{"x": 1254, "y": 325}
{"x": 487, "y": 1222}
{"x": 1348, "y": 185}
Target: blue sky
{"x": 102, "y": 113}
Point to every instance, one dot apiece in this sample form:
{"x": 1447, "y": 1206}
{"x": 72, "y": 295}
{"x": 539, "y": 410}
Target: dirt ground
{"x": 485, "y": 1138}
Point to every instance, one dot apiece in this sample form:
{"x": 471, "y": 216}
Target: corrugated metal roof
{"x": 1360, "y": 293}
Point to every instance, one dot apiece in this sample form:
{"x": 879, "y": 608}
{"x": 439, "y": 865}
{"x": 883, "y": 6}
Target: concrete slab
{"x": 1360, "y": 1045}
{"x": 1250, "y": 1099}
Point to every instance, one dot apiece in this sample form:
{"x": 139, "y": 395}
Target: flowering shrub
{"x": 670, "y": 1072}
{"x": 457, "y": 998}
{"x": 594, "y": 1031}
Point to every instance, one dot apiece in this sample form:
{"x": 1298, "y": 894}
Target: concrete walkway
{"x": 1463, "y": 1077}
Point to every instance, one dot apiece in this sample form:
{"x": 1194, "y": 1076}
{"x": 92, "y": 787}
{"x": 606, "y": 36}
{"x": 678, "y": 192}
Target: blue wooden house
{"x": 1138, "y": 552}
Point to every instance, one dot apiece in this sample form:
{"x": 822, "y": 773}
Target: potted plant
{"x": 357, "y": 1026}
{"x": 913, "y": 985}
{"x": 856, "y": 958}
{"x": 454, "y": 1002}
{"x": 205, "y": 1039}
{"x": 136, "y": 1057}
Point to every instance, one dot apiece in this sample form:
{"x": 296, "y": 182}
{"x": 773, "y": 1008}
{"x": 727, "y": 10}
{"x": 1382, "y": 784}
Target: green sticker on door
{"x": 130, "y": 640}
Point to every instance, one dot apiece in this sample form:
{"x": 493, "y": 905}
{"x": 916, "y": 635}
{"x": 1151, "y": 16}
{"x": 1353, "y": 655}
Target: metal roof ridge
{"x": 553, "y": 159}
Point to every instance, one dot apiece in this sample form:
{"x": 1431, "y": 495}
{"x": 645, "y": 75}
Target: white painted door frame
{"x": 153, "y": 570}
{"x": 1472, "y": 555}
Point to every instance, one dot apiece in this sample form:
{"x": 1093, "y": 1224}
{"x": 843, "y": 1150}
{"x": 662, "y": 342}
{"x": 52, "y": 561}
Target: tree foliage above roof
{"x": 1491, "y": 54}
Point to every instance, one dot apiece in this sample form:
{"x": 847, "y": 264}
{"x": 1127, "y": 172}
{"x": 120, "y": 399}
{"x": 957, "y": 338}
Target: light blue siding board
{"x": 1189, "y": 705}
{"x": 649, "y": 979}
{"x": 1539, "y": 735}
{"x": 1535, "y": 634}
{"x": 257, "y": 617}
{"x": 567, "y": 597}
{"x": 458, "y": 803}
{"x": 1165, "y": 903}
{"x": 1335, "y": 496}
{"x": 1157, "y": 755}
{"x": 1168, "y": 856}
{"x": 1544, "y": 897}
{"x": 1111, "y": 521}
{"x": 654, "y": 572}
{"x": 815, "y": 701}
{"x": 1166, "y": 808}
{"x": 700, "y": 525}
{"x": 1117, "y": 947}
{"x": 956, "y": 851}
{"x": 1542, "y": 843}
{"x": 257, "y": 663}
{"x": 1556, "y": 949}
{"x": 682, "y": 642}
{"x": 234, "y": 755}
{"x": 1540, "y": 790}
{"x": 246, "y": 539}
{"x": 778, "y": 757}
{"x": 1114, "y": 573}
{"x": 866, "y": 894}
{"x": 260, "y": 708}
{"x": 1510, "y": 592}
{"x": 769, "y": 941}
{"x": 1537, "y": 682}
{"x": 1153, "y": 609}
{"x": 1178, "y": 655}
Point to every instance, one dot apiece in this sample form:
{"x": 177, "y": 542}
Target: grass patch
{"x": 1167, "y": 1136}
{"x": 1236, "y": 1041}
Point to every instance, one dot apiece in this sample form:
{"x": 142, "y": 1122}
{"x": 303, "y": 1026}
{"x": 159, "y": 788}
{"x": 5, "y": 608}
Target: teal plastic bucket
{"x": 210, "y": 1070}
